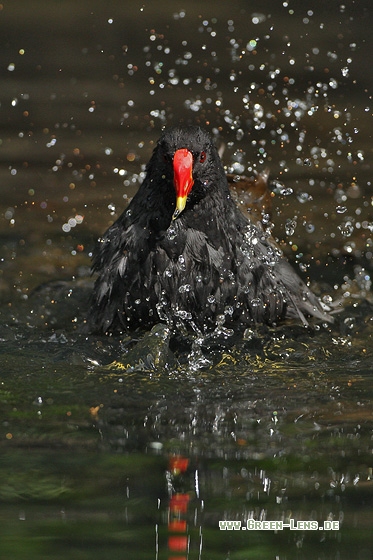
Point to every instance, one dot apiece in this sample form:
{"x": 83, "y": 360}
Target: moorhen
{"x": 182, "y": 251}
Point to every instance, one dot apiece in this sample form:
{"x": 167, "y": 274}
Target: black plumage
{"x": 183, "y": 251}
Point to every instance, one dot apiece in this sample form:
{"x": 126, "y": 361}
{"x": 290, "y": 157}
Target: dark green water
{"x": 276, "y": 426}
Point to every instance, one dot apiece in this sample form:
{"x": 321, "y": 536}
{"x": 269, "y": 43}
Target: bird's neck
{"x": 204, "y": 214}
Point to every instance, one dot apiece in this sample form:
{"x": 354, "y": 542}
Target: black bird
{"x": 183, "y": 252}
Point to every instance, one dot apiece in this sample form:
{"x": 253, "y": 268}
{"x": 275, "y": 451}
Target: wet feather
{"x": 211, "y": 261}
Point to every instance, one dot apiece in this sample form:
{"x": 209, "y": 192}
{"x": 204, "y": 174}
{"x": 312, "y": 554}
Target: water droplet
{"x": 304, "y": 197}
{"x": 9, "y": 214}
{"x": 182, "y": 314}
{"x": 346, "y": 228}
{"x": 279, "y": 188}
{"x": 184, "y": 288}
{"x": 290, "y": 226}
{"x": 333, "y": 83}
{"x": 171, "y": 233}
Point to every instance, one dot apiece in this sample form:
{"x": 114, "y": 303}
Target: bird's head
{"x": 189, "y": 156}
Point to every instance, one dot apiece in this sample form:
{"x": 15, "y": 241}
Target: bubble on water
{"x": 341, "y": 209}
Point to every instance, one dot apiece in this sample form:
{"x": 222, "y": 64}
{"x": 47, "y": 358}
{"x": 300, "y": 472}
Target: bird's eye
{"x": 202, "y": 157}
